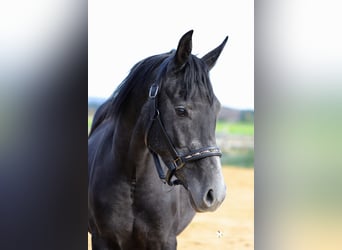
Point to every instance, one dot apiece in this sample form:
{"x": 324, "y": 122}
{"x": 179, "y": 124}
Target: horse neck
{"x": 130, "y": 128}
{"x": 129, "y": 132}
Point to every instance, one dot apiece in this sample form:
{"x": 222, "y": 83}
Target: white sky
{"x": 122, "y": 33}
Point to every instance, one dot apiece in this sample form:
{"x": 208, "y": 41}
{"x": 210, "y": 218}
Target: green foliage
{"x": 235, "y": 128}
{"x": 241, "y": 158}
{"x": 247, "y": 116}
{"x": 90, "y": 120}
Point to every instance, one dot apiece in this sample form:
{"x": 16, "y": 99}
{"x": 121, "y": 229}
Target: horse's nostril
{"x": 210, "y": 197}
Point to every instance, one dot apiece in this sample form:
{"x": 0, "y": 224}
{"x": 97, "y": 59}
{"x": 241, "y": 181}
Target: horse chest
{"x": 165, "y": 210}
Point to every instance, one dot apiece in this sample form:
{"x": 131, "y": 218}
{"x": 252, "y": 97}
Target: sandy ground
{"x": 232, "y": 225}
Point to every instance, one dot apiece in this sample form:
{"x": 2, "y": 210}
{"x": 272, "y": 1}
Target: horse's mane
{"x": 195, "y": 76}
{"x": 143, "y": 73}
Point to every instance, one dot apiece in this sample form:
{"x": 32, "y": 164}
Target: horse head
{"x": 181, "y": 124}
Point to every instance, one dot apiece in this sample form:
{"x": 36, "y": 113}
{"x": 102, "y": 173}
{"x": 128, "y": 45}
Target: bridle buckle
{"x": 153, "y": 91}
{"x": 179, "y": 163}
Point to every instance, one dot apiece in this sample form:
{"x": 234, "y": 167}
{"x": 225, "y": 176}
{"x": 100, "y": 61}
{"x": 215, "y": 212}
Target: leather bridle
{"x": 178, "y": 160}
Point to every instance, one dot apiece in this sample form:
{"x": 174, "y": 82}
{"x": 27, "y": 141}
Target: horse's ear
{"x": 184, "y": 49}
{"x": 211, "y": 58}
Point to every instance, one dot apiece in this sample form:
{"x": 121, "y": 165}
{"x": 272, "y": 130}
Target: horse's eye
{"x": 181, "y": 111}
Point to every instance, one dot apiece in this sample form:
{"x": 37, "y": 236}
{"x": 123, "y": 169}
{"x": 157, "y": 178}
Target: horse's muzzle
{"x": 209, "y": 200}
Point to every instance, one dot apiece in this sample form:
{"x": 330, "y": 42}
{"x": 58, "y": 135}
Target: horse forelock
{"x": 196, "y": 77}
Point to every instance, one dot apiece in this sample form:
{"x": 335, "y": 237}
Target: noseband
{"x": 178, "y": 160}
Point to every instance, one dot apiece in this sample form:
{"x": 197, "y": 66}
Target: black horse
{"x": 152, "y": 155}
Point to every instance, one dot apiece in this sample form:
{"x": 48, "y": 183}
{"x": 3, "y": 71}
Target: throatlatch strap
{"x": 165, "y": 178}
{"x": 158, "y": 166}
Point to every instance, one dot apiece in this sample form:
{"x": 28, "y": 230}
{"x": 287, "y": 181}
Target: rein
{"x": 179, "y": 160}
